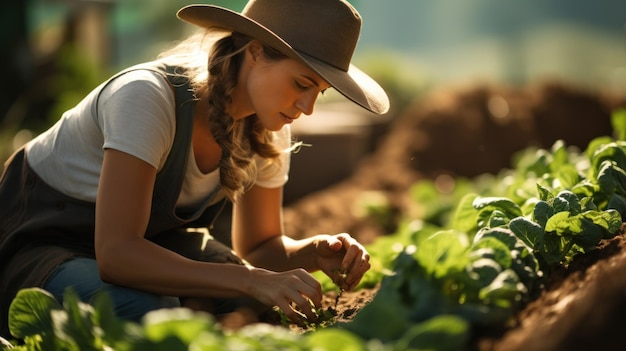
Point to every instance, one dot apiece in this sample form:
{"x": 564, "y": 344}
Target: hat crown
{"x": 327, "y": 30}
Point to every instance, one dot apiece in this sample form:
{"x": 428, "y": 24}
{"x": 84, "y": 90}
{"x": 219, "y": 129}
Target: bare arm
{"x": 258, "y": 237}
{"x": 126, "y": 258}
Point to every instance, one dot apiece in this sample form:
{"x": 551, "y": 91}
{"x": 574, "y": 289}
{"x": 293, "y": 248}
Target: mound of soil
{"x": 468, "y": 132}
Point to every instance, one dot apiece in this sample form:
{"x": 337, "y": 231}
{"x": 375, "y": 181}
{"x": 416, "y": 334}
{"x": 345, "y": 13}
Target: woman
{"x": 162, "y": 145}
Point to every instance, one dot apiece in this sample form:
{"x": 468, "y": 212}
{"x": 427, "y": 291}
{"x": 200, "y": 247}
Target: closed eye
{"x": 301, "y": 86}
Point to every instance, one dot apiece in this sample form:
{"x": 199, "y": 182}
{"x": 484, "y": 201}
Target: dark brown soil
{"x": 468, "y": 132}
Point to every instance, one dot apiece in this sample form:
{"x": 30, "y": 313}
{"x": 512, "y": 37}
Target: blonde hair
{"x": 212, "y": 60}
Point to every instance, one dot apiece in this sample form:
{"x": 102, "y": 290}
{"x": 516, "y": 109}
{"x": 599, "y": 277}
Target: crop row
{"x": 474, "y": 258}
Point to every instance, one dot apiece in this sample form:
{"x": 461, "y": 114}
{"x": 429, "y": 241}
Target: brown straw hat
{"x": 322, "y": 34}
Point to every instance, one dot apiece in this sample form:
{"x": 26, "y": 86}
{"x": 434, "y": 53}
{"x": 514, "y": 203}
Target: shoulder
{"x": 137, "y": 82}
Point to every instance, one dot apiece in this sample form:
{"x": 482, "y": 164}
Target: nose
{"x": 306, "y": 102}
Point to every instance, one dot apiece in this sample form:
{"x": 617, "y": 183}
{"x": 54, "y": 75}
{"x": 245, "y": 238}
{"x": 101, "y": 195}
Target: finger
{"x": 292, "y": 315}
{"x": 313, "y": 290}
{"x": 356, "y": 275}
{"x": 357, "y": 269}
{"x": 333, "y": 243}
{"x": 297, "y": 306}
{"x": 353, "y": 253}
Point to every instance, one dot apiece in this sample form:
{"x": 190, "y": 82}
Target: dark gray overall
{"x": 40, "y": 228}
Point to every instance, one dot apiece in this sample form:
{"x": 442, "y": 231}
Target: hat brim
{"x": 354, "y": 84}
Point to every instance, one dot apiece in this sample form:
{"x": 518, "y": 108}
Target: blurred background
{"x": 56, "y": 51}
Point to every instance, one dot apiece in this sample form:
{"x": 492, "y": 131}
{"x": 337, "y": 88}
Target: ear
{"x": 254, "y": 51}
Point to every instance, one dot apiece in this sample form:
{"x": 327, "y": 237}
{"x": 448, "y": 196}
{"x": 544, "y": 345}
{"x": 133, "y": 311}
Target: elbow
{"x": 107, "y": 266}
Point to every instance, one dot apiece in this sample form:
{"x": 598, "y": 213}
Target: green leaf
{"x": 386, "y": 306}
{"x": 544, "y": 193}
{"x": 270, "y": 337}
{"x": 441, "y": 333}
{"x": 613, "y": 153}
{"x": 618, "y": 120}
{"x": 589, "y": 237}
{"x": 443, "y": 252}
{"x": 562, "y": 223}
{"x": 573, "y": 203}
{"x": 465, "y": 216}
{"x": 506, "y": 205}
{"x": 617, "y": 202}
{"x": 334, "y": 339}
{"x": 501, "y": 252}
{"x": 505, "y": 235}
{"x": 609, "y": 220}
{"x": 568, "y": 175}
{"x": 29, "y": 313}
{"x": 177, "y": 323}
{"x": 542, "y": 212}
{"x": 529, "y": 232}
{"x": 486, "y": 270}
{"x": 560, "y": 156}
{"x": 504, "y": 291}
{"x": 74, "y": 325}
{"x": 104, "y": 319}
{"x": 596, "y": 144}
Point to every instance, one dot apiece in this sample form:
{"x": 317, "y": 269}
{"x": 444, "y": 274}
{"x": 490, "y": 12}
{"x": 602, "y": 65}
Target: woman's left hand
{"x": 342, "y": 258}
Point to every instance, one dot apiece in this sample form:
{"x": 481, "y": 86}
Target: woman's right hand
{"x": 290, "y": 291}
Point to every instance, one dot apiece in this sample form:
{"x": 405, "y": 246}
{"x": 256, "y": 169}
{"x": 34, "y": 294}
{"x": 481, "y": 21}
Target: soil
{"x": 468, "y": 132}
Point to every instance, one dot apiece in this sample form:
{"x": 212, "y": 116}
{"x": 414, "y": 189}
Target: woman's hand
{"x": 291, "y": 291}
{"x": 342, "y": 258}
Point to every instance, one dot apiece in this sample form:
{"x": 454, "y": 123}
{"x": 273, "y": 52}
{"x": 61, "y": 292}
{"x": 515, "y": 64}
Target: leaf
{"x": 442, "y": 333}
{"x": 542, "y": 212}
{"x": 505, "y": 235}
{"x": 544, "y": 193}
{"x": 501, "y": 252}
{"x": 617, "y": 202}
{"x": 104, "y": 317}
{"x": 29, "y": 313}
{"x": 443, "y": 252}
{"x": 497, "y": 219}
{"x": 333, "y": 339}
{"x": 529, "y": 232}
{"x": 506, "y": 205}
{"x": 568, "y": 175}
{"x": 487, "y": 270}
{"x": 386, "y": 306}
{"x": 572, "y": 201}
{"x": 74, "y": 325}
{"x": 560, "y": 204}
{"x": 609, "y": 220}
{"x": 504, "y": 291}
{"x": 618, "y": 120}
{"x": 589, "y": 237}
{"x": 465, "y": 216}
{"x": 562, "y": 223}
{"x": 613, "y": 153}
{"x": 177, "y": 323}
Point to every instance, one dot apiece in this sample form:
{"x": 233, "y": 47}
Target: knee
{"x": 131, "y": 304}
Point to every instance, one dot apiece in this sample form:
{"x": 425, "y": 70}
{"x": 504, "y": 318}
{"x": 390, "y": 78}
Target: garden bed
{"x": 464, "y": 133}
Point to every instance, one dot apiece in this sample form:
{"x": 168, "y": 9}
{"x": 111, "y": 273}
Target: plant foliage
{"x": 471, "y": 263}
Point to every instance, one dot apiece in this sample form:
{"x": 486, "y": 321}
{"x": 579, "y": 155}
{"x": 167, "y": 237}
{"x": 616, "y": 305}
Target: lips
{"x": 287, "y": 118}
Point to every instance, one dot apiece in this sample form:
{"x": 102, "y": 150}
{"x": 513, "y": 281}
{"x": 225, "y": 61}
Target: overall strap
{"x": 169, "y": 180}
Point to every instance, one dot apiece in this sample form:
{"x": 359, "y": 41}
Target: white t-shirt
{"x": 134, "y": 114}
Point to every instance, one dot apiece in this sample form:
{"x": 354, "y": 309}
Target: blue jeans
{"x": 82, "y": 274}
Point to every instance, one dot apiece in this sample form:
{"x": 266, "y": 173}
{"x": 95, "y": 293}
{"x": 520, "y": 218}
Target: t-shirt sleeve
{"x": 275, "y": 174}
{"x": 137, "y": 116}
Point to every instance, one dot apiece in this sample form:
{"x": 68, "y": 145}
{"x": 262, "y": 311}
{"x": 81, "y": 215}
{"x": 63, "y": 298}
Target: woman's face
{"x": 277, "y": 91}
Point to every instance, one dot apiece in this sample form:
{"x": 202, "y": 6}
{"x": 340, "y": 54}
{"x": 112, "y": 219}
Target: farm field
{"x": 494, "y": 220}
